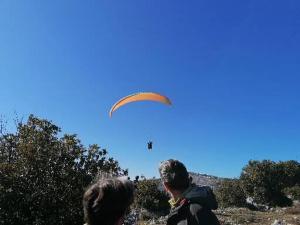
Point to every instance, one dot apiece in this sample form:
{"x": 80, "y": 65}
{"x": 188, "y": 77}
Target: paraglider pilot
{"x": 150, "y": 145}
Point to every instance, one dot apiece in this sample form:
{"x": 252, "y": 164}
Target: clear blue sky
{"x": 231, "y": 69}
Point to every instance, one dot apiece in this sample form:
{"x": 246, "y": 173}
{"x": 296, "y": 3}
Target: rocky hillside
{"x": 206, "y": 180}
{"x": 201, "y": 180}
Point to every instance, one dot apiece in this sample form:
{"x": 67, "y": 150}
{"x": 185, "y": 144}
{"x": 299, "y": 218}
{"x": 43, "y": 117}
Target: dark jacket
{"x": 194, "y": 208}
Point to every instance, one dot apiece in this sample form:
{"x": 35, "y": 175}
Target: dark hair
{"x": 174, "y": 174}
{"x": 106, "y": 201}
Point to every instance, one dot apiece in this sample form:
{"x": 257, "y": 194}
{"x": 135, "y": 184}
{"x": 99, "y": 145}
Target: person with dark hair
{"x": 190, "y": 204}
{"x": 107, "y": 201}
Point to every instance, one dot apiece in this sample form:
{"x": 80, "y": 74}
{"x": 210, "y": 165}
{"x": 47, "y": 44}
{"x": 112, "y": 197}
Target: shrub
{"x": 43, "y": 174}
{"x": 230, "y": 193}
{"x": 265, "y": 181}
{"x": 148, "y": 196}
{"x": 294, "y": 192}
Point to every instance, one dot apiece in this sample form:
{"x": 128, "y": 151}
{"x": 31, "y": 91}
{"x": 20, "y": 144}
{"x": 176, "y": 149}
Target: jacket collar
{"x": 181, "y": 199}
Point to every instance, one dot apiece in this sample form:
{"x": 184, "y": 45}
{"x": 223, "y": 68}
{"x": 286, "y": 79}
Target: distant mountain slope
{"x": 201, "y": 180}
{"x": 206, "y": 180}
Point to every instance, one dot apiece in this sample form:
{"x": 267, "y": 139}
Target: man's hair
{"x": 106, "y": 201}
{"x": 174, "y": 174}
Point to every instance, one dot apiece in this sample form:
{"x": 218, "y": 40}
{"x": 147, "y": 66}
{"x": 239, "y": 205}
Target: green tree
{"x": 149, "y": 196}
{"x": 43, "y": 175}
{"x": 294, "y": 192}
{"x": 289, "y": 172}
{"x": 265, "y": 180}
{"x": 230, "y": 193}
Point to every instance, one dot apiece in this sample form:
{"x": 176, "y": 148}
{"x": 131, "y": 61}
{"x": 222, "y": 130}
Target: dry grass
{"x": 293, "y": 210}
{"x": 289, "y": 215}
{"x": 243, "y": 216}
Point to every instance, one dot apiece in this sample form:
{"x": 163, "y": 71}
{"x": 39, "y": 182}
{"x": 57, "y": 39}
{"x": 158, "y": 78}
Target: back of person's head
{"x": 107, "y": 201}
{"x": 174, "y": 174}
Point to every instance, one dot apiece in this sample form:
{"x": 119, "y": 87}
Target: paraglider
{"x": 149, "y": 145}
{"x": 142, "y": 96}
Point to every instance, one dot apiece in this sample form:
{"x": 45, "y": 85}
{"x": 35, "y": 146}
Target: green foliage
{"x": 294, "y": 192}
{"x": 230, "y": 193}
{"x": 148, "y": 196}
{"x": 43, "y": 176}
{"x": 265, "y": 180}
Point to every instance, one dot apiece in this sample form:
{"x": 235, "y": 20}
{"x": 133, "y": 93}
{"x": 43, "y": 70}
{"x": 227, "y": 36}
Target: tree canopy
{"x": 230, "y": 193}
{"x": 43, "y": 174}
{"x": 265, "y": 181}
{"x": 148, "y": 196}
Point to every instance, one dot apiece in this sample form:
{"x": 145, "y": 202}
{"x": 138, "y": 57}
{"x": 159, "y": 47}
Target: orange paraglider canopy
{"x": 142, "y": 96}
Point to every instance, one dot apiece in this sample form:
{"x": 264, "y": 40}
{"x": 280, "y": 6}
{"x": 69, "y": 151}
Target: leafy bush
{"x": 43, "y": 175}
{"x": 148, "y": 196}
{"x": 230, "y": 193}
{"x": 293, "y": 191}
{"x": 265, "y": 181}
